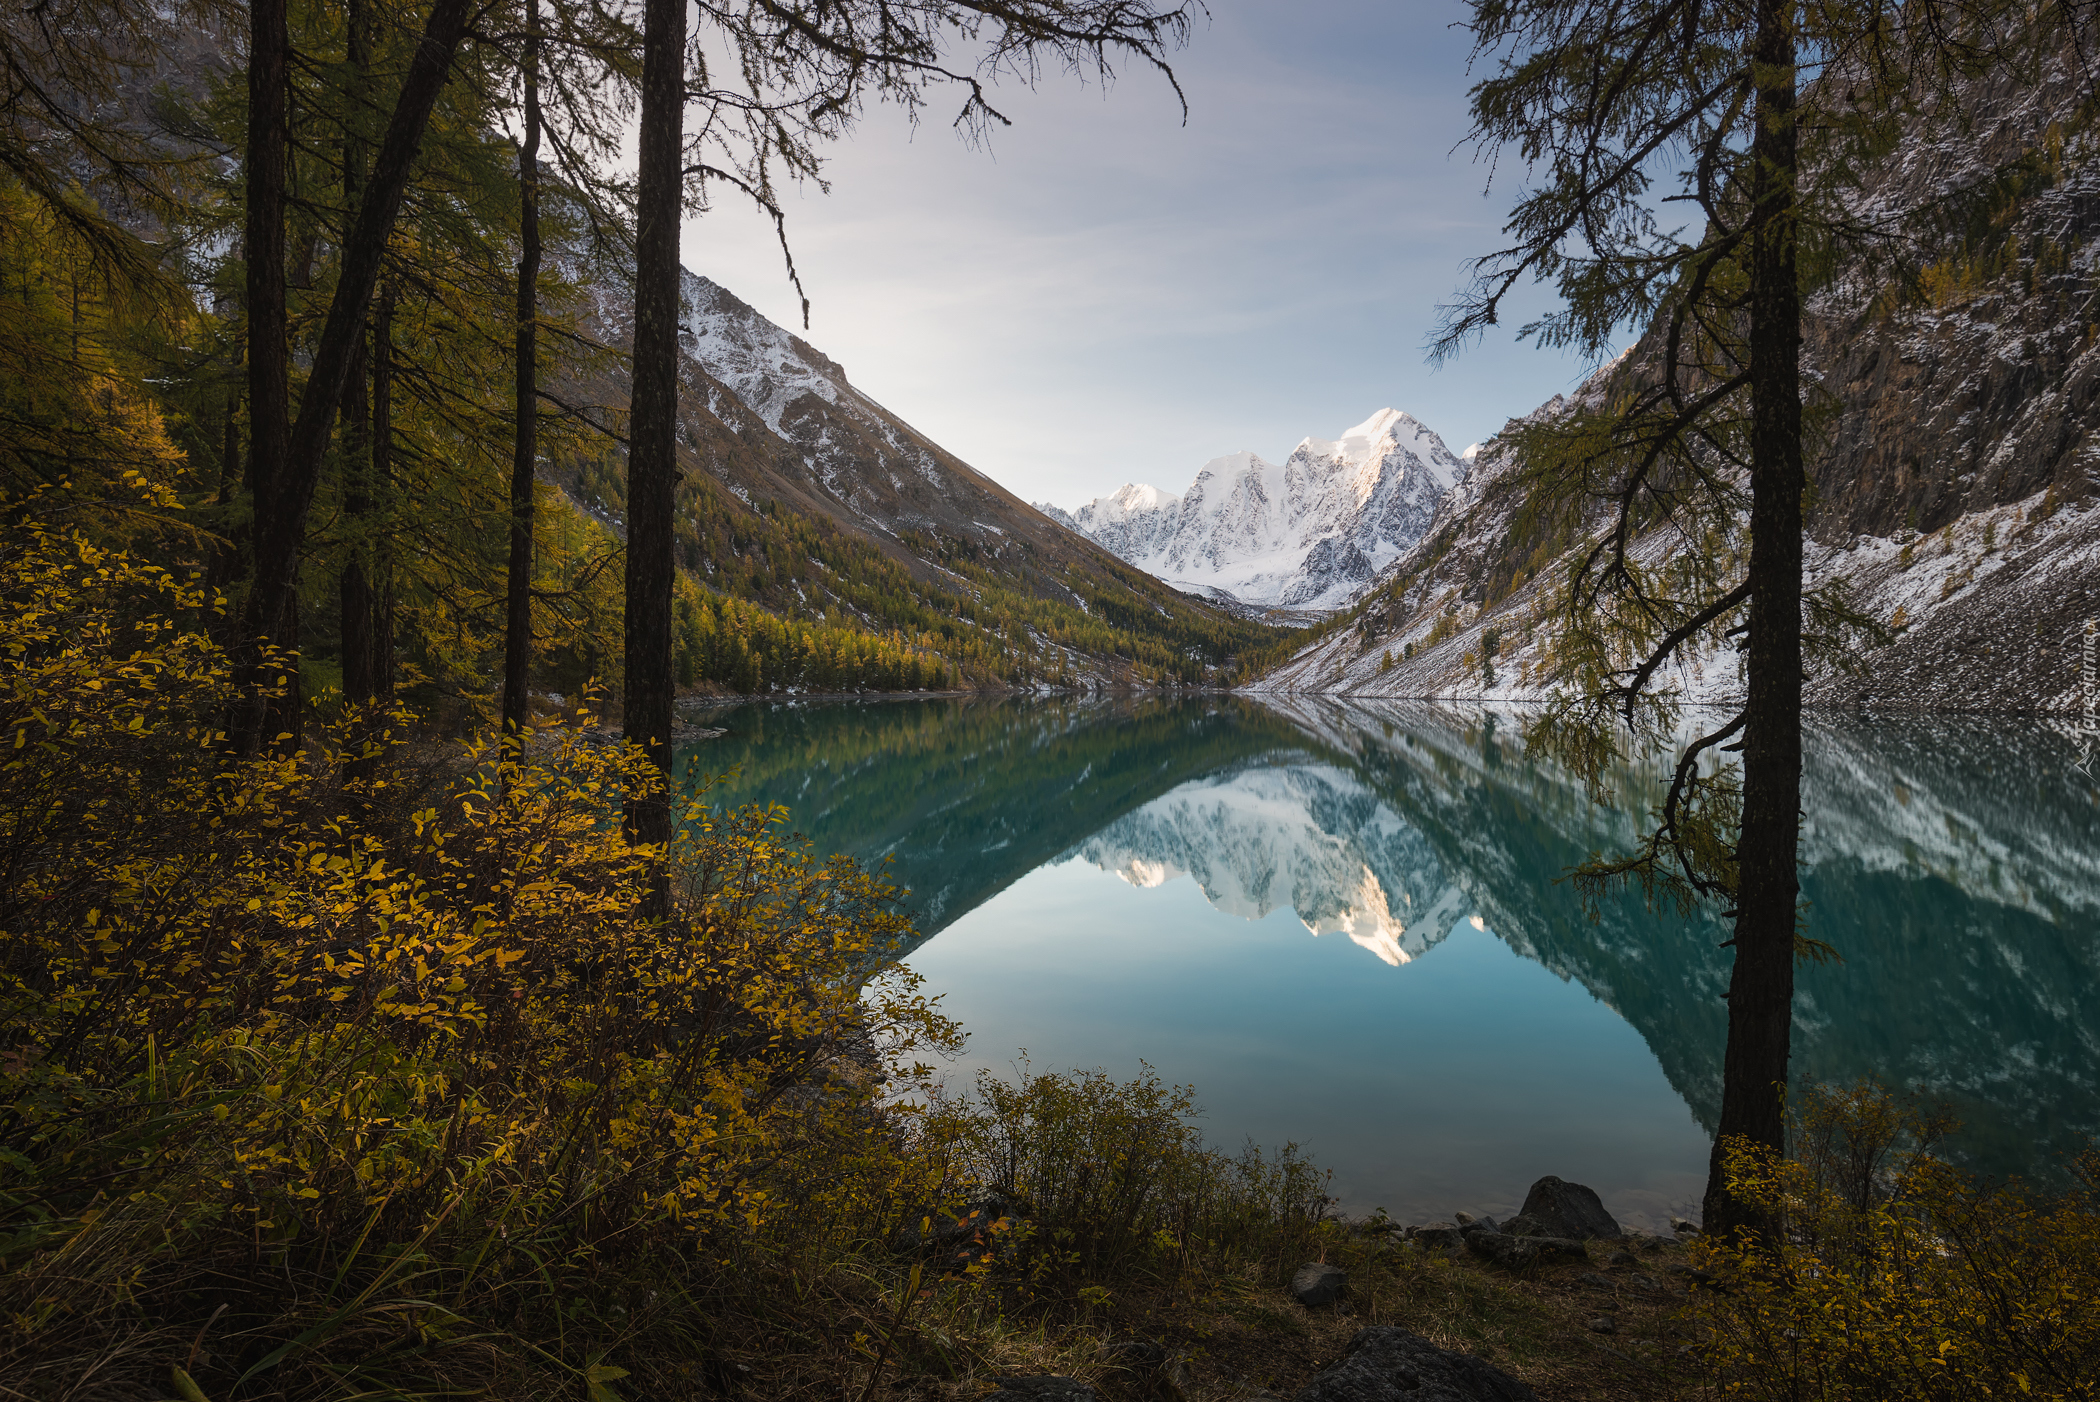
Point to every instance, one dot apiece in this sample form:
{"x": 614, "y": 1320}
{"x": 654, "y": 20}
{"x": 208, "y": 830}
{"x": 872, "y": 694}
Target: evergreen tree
{"x": 286, "y": 455}
{"x": 517, "y": 632}
{"x": 1761, "y": 111}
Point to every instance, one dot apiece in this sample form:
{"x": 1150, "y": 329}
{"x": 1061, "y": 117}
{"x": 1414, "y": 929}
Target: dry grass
{"x": 1244, "y": 1338}
{"x": 1534, "y": 1326}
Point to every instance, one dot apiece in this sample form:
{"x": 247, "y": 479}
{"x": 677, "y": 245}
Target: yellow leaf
{"x": 599, "y": 1377}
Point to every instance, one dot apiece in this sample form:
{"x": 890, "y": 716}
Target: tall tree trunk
{"x": 225, "y": 556}
{"x": 517, "y": 630}
{"x": 381, "y": 558}
{"x": 652, "y": 466}
{"x": 269, "y": 353}
{"x": 355, "y": 594}
{"x": 281, "y": 523}
{"x": 359, "y": 622}
{"x": 1761, "y": 989}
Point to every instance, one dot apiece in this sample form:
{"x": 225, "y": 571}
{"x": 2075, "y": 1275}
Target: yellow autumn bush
{"x": 346, "y": 1073}
{"x": 1895, "y": 1275}
{"x": 1112, "y": 1183}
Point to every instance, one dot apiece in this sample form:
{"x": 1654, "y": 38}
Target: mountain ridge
{"x": 1309, "y": 533}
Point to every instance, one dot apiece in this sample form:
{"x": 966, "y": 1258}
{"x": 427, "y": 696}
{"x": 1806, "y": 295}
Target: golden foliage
{"x": 72, "y": 410}
{"x": 400, "y": 1039}
{"x": 1897, "y": 1276}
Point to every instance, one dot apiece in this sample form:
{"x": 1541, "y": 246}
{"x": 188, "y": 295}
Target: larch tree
{"x": 793, "y": 74}
{"x": 285, "y": 454}
{"x": 652, "y": 449}
{"x": 517, "y": 623}
{"x": 1680, "y": 483}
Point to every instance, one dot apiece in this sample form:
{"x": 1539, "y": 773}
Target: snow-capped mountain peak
{"x": 1366, "y": 446}
{"x": 1131, "y": 500}
{"x": 1309, "y": 533}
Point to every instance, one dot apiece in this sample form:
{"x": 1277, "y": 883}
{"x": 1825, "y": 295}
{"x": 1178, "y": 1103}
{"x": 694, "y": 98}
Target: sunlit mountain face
{"x": 1954, "y": 865}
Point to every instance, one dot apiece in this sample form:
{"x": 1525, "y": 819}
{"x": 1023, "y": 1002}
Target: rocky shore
{"x": 1562, "y": 1264}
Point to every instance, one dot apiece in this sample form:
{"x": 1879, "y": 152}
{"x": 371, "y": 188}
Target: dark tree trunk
{"x": 269, "y": 354}
{"x": 230, "y": 457}
{"x": 517, "y": 630}
{"x": 1761, "y": 990}
{"x": 281, "y": 516}
{"x": 381, "y": 557}
{"x": 652, "y": 466}
{"x": 359, "y": 621}
{"x": 225, "y": 556}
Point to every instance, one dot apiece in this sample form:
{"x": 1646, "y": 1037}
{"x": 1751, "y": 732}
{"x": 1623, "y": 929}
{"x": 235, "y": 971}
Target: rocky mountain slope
{"x": 1309, "y": 534}
{"x": 803, "y": 494}
{"x": 1954, "y": 485}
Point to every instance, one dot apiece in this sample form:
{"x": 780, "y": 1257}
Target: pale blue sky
{"x": 1109, "y": 296}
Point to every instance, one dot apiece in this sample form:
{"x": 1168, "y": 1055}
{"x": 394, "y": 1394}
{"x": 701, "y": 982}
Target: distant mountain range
{"x": 1312, "y": 533}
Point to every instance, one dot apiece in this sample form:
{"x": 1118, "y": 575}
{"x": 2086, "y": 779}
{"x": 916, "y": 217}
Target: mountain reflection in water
{"x": 1954, "y": 863}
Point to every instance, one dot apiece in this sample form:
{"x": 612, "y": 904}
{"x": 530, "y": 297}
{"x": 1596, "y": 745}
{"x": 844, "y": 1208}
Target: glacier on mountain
{"x": 1311, "y": 533}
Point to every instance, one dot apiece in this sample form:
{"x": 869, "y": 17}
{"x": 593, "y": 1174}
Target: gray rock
{"x": 1604, "y": 1324}
{"x": 1602, "y": 1282}
{"x": 1439, "y": 1236}
{"x": 1683, "y": 1228}
{"x": 1040, "y": 1389}
{"x": 1464, "y": 1219}
{"x": 1521, "y": 1225}
{"x": 1384, "y": 1364}
{"x": 1568, "y": 1210}
{"x": 1622, "y": 1258}
{"x": 1522, "y": 1252}
{"x": 1316, "y": 1283}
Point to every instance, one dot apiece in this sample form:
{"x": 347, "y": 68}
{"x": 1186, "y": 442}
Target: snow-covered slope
{"x": 1310, "y": 533}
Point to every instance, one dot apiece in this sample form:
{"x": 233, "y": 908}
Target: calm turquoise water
{"x": 1344, "y": 925}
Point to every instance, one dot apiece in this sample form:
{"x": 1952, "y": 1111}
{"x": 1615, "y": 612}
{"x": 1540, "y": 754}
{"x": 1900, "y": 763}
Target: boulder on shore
{"x": 1316, "y": 1283}
{"x": 1438, "y": 1236}
{"x": 1568, "y": 1210}
{"x": 1385, "y": 1364}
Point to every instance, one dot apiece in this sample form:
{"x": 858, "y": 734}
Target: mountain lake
{"x": 1345, "y": 923}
